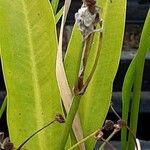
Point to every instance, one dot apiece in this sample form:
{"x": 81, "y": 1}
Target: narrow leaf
{"x": 58, "y": 15}
{"x": 73, "y": 56}
{"x": 3, "y": 107}
{"x": 126, "y": 97}
{"x": 144, "y": 47}
{"x": 55, "y": 5}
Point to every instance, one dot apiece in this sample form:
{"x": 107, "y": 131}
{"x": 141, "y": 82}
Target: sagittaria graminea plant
{"x": 40, "y": 84}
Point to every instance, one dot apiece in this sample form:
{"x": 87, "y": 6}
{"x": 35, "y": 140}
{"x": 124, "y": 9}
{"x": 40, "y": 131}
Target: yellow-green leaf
{"x": 28, "y": 46}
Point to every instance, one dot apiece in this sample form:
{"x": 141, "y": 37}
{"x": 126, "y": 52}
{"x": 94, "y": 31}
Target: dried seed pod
{"x": 117, "y": 127}
{"x": 122, "y": 123}
{"x": 109, "y": 125}
{"x": 59, "y": 118}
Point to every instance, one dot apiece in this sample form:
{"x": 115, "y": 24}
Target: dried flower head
{"x": 122, "y": 123}
{"x": 109, "y": 125}
{"x": 91, "y": 4}
{"x": 87, "y": 17}
{"x": 59, "y": 118}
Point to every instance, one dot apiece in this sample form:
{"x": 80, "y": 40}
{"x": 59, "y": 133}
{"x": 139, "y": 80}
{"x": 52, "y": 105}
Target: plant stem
{"x": 95, "y": 62}
{"x": 114, "y": 111}
{"x": 109, "y": 144}
{"x": 133, "y": 136}
{"x": 73, "y": 138}
{"x": 69, "y": 120}
{"x": 3, "y": 107}
{"x": 77, "y": 90}
{"x": 108, "y": 139}
{"x": 85, "y": 53}
{"x": 83, "y": 140}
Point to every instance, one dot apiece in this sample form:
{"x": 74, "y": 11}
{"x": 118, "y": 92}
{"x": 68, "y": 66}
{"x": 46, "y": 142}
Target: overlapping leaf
{"x": 95, "y": 102}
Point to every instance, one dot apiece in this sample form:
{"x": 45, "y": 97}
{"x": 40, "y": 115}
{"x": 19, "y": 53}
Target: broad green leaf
{"x": 144, "y": 47}
{"x": 28, "y": 43}
{"x": 95, "y": 103}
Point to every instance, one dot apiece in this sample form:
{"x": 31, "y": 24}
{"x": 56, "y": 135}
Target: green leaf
{"x": 28, "y": 43}
{"x": 58, "y": 15}
{"x": 55, "y": 5}
{"x": 126, "y": 97}
{"x": 73, "y": 56}
{"x": 144, "y": 47}
{"x": 3, "y": 107}
{"x": 95, "y": 103}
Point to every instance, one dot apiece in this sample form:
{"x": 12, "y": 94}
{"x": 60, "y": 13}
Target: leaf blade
{"x": 29, "y": 48}
{"x": 144, "y": 47}
{"x": 58, "y": 15}
{"x": 55, "y": 5}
